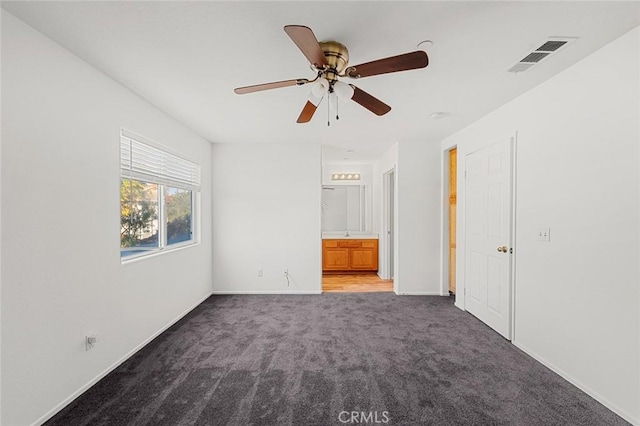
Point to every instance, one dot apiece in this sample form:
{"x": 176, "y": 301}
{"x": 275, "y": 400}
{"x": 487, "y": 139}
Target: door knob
{"x": 503, "y": 249}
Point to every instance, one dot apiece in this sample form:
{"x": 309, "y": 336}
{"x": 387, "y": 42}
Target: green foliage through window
{"x": 142, "y": 209}
{"x": 178, "y": 204}
{"x": 138, "y": 213}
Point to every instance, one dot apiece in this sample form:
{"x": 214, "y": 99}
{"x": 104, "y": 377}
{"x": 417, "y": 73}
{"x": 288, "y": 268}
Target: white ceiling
{"x": 186, "y": 58}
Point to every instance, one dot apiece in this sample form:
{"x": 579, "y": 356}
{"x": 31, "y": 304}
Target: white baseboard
{"x": 113, "y": 366}
{"x": 577, "y": 383}
{"x": 223, "y": 292}
{"x": 419, "y": 293}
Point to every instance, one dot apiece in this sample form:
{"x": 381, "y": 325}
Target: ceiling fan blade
{"x": 404, "y": 62}
{"x": 267, "y": 86}
{"x": 307, "y": 112}
{"x": 371, "y": 103}
{"x": 308, "y": 44}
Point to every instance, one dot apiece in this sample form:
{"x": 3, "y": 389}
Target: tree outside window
{"x": 138, "y": 216}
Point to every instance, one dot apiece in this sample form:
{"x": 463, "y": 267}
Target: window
{"x": 139, "y": 202}
{"x": 158, "y": 198}
{"x": 179, "y": 207}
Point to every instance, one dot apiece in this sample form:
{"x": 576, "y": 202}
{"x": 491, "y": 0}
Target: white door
{"x": 488, "y": 201}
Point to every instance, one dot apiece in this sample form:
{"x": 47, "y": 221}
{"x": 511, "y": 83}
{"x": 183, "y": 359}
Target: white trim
{"x": 444, "y": 234}
{"x": 228, "y": 292}
{"x": 158, "y": 251}
{"x": 162, "y": 217}
{"x": 113, "y": 366}
{"x": 320, "y": 220}
{"x": 444, "y": 221}
{"x": 577, "y": 383}
{"x": 421, "y": 293}
{"x": 461, "y": 287}
{"x": 384, "y": 261}
{"x": 513, "y": 252}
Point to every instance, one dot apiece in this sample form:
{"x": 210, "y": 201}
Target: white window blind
{"x": 143, "y": 162}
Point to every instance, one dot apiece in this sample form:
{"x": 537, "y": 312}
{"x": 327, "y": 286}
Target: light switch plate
{"x": 544, "y": 234}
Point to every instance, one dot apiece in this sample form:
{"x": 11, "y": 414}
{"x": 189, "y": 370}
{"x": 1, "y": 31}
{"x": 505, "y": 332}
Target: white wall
{"x": 576, "y": 297}
{"x": 61, "y": 276}
{"x": 419, "y": 218}
{"x": 266, "y": 214}
{"x": 417, "y": 232}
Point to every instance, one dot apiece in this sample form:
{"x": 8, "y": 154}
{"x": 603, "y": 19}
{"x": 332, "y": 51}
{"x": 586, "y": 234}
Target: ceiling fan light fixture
{"x": 314, "y": 99}
{"x": 320, "y": 87}
{"x": 343, "y": 90}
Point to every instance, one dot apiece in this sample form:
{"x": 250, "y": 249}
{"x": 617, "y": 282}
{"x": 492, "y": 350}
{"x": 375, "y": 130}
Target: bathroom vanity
{"x": 347, "y": 244}
{"x": 350, "y": 254}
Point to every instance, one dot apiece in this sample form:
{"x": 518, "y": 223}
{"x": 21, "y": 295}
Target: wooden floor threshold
{"x": 355, "y": 283}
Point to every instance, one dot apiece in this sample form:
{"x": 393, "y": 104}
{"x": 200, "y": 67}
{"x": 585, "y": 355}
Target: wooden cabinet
{"x": 349, "y": 255}
{"x": 335, "y": 259}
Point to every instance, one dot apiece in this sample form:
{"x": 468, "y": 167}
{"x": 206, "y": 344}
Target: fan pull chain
{"x": 328, "y": 110}
{"x": 337, "y": 103}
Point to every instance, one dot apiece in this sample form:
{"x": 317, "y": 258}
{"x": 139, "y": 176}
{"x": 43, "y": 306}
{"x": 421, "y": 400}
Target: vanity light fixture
{"x": 345, "y": 176}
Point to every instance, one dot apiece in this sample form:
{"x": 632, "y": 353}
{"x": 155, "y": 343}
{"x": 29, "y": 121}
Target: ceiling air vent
{"x": 552, "y": 45}
{"x": 534, "y": 57}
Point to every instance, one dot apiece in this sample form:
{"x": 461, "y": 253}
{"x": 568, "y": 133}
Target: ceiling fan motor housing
{"x": 337, "y": 58}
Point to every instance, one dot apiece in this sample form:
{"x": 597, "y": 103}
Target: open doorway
{"x": 453, "y": 202}
{"x": 350, "y": 249}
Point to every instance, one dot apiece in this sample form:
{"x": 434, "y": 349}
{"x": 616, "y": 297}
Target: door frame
{"x": 388, "y": 203}
{"x": 465, "y": 148}
{"x": 444, "y": 236}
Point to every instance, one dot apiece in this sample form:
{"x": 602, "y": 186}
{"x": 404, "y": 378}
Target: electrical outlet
{"x": 90, "y": 341}
{"x": 544, "y": 234}
{"x": 260, "y": 272}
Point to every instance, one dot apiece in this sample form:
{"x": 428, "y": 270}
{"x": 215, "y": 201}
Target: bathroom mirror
{"x": 343, "y": 208}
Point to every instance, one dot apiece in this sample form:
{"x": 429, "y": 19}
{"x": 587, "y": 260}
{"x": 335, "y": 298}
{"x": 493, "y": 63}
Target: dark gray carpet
{"x": 302, "y": 360}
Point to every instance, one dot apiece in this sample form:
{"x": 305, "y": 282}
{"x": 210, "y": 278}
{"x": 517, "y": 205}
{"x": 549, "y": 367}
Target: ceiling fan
{"x": 329, "y": 59}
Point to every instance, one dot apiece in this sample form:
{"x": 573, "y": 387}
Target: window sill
{"x": 158, "y": 252}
